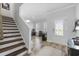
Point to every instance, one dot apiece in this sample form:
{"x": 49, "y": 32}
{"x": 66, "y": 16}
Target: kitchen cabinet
{"x": 73, "y": 52}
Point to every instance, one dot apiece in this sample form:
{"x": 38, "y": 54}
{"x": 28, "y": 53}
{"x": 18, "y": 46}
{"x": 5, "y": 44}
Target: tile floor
{"x": 50, "y": 49}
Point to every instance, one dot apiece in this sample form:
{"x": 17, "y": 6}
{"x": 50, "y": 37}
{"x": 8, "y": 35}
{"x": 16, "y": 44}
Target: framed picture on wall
{"x": 6, "y": 6}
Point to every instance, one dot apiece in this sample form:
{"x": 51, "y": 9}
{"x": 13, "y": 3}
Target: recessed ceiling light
{"x": 27, "y": 21}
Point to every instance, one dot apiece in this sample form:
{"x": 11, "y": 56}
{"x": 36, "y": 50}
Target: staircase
{"x": 12, "y": 43}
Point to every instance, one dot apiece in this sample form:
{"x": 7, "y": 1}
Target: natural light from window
{"x": 59, "y": 27}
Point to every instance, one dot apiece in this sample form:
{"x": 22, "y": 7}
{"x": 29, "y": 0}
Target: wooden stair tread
{"x": 8, "y": 39}
{"x": 10, "y": 47}
{"x": 17, "y": 52}
{"x": 6, "y": 42}
{"x": 10, "y": 29}
{"x": 10, "y": 32}
{"x": 6, "y": 18}
{"x": 8, "y": 26}
{"x": 8, "y": 23}
{"x": 11, "y": 36}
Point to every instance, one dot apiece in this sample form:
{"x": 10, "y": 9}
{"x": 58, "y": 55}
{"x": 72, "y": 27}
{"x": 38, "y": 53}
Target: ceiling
{"x": 36, "y": 11}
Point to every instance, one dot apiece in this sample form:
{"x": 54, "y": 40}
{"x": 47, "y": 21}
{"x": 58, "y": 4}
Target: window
{"x": 45, "y": 27}
{"x": 59, "y": 27}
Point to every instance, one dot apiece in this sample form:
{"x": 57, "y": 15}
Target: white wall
{"x": 67, "y": 14}
{"x": 69, "y": 17}
{"x": 9, "y": 13}
{"x": 77, "y": 11}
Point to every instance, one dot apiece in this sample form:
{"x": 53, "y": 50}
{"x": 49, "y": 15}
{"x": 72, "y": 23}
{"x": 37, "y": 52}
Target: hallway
{"x": 38, "y": 29}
